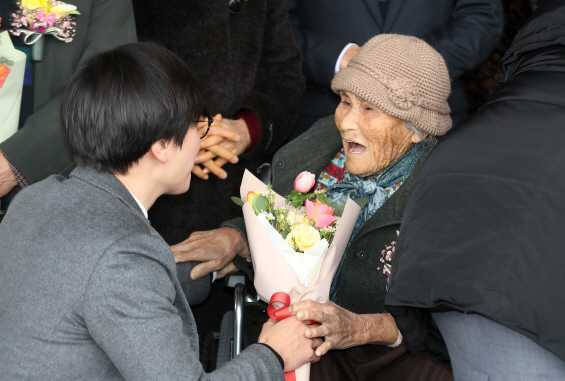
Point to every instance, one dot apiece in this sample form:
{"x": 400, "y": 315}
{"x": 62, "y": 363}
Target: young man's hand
{"x": 287, "y": 338}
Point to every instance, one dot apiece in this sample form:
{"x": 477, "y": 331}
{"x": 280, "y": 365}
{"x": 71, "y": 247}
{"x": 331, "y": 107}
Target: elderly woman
{"x": 393, "y": 102}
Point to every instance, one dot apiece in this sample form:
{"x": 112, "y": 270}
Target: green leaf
{"x": 329, "y": 202}
{"x": 298, "y": 199}
{"x": 260, "y": 204}
{"x": 362, "y": 201}
{"x": 237, "y": 201}
{"x": 339, "y": 210}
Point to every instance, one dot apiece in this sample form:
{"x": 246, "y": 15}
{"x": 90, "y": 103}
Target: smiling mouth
{"x": 353, "y": 147}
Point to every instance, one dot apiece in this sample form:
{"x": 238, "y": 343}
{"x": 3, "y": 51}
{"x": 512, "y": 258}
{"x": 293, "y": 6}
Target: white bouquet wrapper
{"x": 11, "y": 91}
{"x": 278, "y": 268}
{"x": 304, "y": 264}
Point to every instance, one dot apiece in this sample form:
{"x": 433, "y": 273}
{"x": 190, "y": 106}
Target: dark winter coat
{"x": 245, "y": 60}
{"x": 483, "y": 231}
{"x": 362, "y": 284}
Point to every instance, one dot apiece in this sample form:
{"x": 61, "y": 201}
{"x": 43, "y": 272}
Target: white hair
{"x": 427, "y": 138}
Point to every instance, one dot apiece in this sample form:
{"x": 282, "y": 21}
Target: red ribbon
{"x": 279, "y": 314}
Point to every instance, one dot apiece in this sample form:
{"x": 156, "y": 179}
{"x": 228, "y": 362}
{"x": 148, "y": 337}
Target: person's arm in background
{"x": 471, "y": 35}
{"x": 268, "y": 114}
{"x": 38, "y": 150}
{"x": 279, "y": 83}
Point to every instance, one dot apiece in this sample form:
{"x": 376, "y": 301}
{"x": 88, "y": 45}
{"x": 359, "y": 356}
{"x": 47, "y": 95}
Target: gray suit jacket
{"x": 38, "y": 149}
{"x": 89, "y": 291}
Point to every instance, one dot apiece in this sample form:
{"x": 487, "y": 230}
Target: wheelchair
{"x": 235, "y": 334}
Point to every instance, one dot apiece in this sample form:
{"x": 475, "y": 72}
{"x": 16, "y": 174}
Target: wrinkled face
{"x": 372, "y": 139}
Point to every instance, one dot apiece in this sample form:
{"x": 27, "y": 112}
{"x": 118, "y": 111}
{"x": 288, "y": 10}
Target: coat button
{"x": 362, "y": 255}
{"x": 280, "y": 164}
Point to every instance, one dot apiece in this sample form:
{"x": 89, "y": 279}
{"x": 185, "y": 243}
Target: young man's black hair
{"x": 122, "y": 101}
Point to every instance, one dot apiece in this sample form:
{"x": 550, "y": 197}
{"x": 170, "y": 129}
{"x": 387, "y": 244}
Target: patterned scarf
{"x": 375, "y": 189}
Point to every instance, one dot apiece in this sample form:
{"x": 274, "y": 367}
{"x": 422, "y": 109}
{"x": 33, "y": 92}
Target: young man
{"x": 88, "y": 289}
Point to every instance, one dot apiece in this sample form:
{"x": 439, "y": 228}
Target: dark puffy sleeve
{"x": 279, "y": 82}
{"x": 470, "y": 36}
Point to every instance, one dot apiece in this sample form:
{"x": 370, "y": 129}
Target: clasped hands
{"x": 226, "y": 140}
{"x": 343, "y": 329}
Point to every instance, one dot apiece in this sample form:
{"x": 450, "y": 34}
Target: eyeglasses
{"x": 203, "y": 130}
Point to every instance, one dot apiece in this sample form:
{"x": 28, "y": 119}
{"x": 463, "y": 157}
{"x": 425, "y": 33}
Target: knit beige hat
{"x": 403, "y": 76}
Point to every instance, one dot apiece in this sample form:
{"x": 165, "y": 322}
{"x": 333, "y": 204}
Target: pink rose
{"x": 320, "y": 213}
{"x": 325, "y": 221}
{"x": 304, "y": 182}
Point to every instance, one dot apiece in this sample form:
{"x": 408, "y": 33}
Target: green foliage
{"x": 237, "y": 201}
{"x": 298, "y": 199}
{"x": 260, "y": 204}
{"x": 362, "y": 201}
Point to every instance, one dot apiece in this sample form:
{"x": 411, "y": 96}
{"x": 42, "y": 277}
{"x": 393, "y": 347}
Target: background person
{"x": 478, "y": 274}
{"x": 89, "y": 289}
{"x": 38, "y": 149}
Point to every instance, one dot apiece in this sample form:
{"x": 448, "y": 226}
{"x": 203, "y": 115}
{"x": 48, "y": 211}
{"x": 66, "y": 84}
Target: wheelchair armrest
{"x": 232, "y": 280}
{"x": 265, "y": 173}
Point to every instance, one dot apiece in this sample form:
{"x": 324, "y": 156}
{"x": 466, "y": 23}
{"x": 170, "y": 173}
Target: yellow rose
{"x": 302, "y": 237}
{"x": 300, "y": 219}
{"x": 34, "y": 4}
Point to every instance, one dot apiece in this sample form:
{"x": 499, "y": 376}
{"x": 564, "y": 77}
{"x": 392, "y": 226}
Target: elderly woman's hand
{"x": 214, "y": 248}
{"x": 344, "y": 329}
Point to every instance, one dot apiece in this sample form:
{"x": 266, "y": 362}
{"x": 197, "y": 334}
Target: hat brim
{"x": 370, "y": 89}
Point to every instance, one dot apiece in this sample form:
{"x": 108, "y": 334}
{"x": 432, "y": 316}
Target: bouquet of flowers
{"x": 296, "y": 242}
{"x": 39, "y": 17}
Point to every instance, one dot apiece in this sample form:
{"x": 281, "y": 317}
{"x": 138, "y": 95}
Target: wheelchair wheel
{"x": 225, "y": 344}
